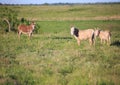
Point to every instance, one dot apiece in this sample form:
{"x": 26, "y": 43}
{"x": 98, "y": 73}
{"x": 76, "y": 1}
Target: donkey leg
{"x": 105, "y": 41}
{"x": 19, "y": 33}
{"x": 29, "y": 35}
{"x": 91, "y": 41}
{"x": 78, "y": 41}
{"x": 109, "y": 40}
{"x": 101, "y": 41}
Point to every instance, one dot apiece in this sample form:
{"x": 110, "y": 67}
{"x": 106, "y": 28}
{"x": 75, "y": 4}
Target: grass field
{"x": 69, "y": 12}
{"x": 52, "y": 56}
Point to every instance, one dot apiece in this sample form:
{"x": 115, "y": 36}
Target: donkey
{"x": 79, "y": 35}
{"x": 105, "y": 36}
{"x": 26, "y": 29}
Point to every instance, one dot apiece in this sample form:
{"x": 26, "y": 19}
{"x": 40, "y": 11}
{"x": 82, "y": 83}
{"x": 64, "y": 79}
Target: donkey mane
{"x": 76, "y": 32}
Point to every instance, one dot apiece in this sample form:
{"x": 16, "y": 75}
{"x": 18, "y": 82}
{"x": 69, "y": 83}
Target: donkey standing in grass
{"x": 105, "y": 36}
{"x": 26, "y": 29}
{"x": 87, "y": 34}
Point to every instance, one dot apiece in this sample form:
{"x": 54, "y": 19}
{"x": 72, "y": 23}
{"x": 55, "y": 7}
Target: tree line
{"x": 61, "y": 3}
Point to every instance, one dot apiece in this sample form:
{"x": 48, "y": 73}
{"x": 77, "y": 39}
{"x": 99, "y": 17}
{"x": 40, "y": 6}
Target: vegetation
{"x": 8, "y": 19}
{"x": 52, "y": 56}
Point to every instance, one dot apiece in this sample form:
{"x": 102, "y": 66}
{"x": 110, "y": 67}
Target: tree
{"x": 9, "y": 18}
{"x": 9, "y": 27}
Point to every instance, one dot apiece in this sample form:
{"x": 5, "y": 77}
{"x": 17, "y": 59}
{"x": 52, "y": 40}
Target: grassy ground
{"x": 52, "y": 57}
{"x": 69, "y": 12}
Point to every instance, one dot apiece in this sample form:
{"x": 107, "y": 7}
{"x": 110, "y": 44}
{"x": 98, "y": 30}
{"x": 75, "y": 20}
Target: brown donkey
{"x": 26, "y": 29}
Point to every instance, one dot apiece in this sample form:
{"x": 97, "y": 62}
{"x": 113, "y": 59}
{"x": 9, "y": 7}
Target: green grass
{"x": 52, "y": 56}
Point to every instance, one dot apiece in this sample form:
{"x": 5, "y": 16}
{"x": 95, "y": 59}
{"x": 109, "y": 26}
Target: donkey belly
{"x": 26, "y": 32}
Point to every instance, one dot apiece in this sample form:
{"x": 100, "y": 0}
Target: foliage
{"x": 9, "y": 14}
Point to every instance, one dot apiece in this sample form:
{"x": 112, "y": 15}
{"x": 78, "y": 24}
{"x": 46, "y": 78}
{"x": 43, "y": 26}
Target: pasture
{"x": 52, "y": 56}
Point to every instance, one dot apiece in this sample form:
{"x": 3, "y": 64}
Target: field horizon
{"x": 69, "y": 12}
